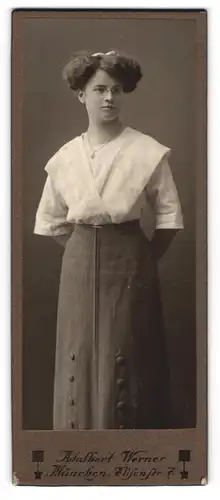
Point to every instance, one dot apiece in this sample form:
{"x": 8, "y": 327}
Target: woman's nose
{"x": 109, "y": 95}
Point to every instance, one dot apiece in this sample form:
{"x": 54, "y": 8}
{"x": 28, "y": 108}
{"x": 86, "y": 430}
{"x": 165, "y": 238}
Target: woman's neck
{"x": 101, "y": 133}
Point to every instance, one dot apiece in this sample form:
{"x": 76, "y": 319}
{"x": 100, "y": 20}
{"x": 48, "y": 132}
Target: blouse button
{"x": 72, "y": 356}
{"x": 72, "y": 425}
{"x": 72, "y": 402}
{"x": 71, "y": 378}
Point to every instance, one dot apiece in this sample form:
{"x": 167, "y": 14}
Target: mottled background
{"x": 162, "y": 106}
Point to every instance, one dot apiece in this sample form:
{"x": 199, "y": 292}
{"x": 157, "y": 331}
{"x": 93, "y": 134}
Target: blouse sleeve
{"x": 51, "y": 216}
{"x": 163, "y": 197}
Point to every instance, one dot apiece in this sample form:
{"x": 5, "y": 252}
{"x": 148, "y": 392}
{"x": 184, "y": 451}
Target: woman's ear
{"x": 81, "y": 96}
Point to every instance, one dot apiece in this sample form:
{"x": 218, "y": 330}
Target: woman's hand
{"x": 161, "y": 241}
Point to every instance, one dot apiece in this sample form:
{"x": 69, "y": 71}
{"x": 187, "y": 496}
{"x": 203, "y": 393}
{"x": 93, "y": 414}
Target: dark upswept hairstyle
{"x": 83, "y": 65}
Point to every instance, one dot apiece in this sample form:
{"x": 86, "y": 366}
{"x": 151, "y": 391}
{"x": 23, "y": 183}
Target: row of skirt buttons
{"x": 71, "y": 399}
{"x": 121, "y": 384}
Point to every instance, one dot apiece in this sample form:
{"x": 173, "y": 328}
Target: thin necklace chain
{"x": 95, "y": 149}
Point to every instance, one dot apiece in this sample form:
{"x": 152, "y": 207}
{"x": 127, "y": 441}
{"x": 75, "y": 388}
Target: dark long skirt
{"x": 111, "y": 364}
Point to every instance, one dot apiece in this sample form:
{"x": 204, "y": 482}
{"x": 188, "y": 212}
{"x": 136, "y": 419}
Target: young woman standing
{"x": 111, "y": 366}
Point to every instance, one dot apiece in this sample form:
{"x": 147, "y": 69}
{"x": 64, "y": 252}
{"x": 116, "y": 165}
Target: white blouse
{"x": 127, "y": 177}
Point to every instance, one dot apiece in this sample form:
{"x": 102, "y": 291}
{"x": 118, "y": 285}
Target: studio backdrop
{"x": 163, "y": 106}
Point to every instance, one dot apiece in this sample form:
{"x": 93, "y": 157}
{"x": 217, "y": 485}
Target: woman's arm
{"x": 51, "y": 216}
{"x": 163, "y": 197}
{"x": 62, "y": 239}
{"x": 161, "y": 241}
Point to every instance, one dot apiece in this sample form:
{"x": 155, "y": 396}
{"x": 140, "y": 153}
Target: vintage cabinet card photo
{"x": 109, "y": 247}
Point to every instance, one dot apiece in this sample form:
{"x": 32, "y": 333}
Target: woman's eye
{"x": 117, "y": 90}
{"x": 101, "y": 90}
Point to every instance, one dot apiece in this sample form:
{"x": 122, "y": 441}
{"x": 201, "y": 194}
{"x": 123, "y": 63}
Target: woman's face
{"x": 102, "y": 97}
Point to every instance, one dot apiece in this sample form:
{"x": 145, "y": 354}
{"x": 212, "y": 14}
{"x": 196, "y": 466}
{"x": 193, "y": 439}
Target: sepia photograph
{"x": 107, "y": 173}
